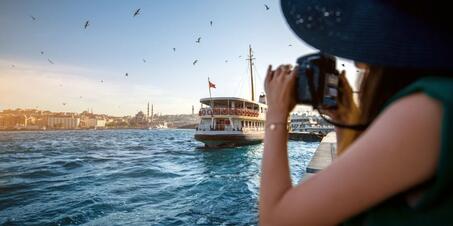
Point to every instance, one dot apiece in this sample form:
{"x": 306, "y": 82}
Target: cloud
{"x": 28, "y": 85}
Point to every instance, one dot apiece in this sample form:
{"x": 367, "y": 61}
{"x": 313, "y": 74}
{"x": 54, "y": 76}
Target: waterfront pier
{"x": 324, "y": 155}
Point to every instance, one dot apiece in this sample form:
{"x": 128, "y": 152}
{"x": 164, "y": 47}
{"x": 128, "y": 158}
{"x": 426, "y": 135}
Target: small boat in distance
{"x": 308, "y": 127}
{"x": 232, "y": 121}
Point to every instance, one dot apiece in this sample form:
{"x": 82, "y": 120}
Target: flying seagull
{"x": 210, "y": 22}
{"x": 144, "y": 61}
{"x": 267, "y": 7}
{"x": 174, "y": 49}
{"x": 64, "y": 104}
{"x": 12, "y": 65}
{"x": 240, "y": 56}
{"x": 50, "y": 61}
{"x": 226, "y": 61}
{"x": 290, "y": 45}
{"x": 42, "y": 52}
{"x": 137, "y": 12}
{"x": 127, "y": 75}
{"x": 102, "y": 81}
{"x": 87, "y": 24}
{"x": 195, "y": 62}
{"x": 32, "y": 17}
{"x": 198, "y": 40}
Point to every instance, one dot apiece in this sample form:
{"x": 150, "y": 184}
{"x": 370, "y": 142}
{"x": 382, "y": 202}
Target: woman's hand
{"x": 347, "y": 110}
{"x": 280, "y": 92}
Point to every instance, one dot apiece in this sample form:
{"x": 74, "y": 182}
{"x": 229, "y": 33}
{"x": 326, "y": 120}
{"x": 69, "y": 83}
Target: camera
{"x": 317, "y": 81}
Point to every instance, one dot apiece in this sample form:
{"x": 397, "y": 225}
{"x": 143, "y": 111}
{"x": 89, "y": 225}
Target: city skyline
{"x": 52, "y": 59}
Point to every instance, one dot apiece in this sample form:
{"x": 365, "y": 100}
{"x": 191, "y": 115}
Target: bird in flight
{"x": 226, "y": 61}
{"x": 267, "y": 7}
{"x": 198, "y": 40}
{"x": 210, "y": 22}
{"x": 50, "y": 61}
{"x": 127, "y": 75}
{"x": 137, "y": 12}
{"x": 144, "y": 61}
{"x": 87, "y": 24}
{"x": 64, "y": 104}
{"x": 174, "y": 49}
{"x": 195, "y": 62}
{"x": 12, "y": 65}
{"x": 42, "y": 52}
{"x": 102, "y": 81}
{"x": 240, "y": 56}
{"x": 290, "y": 45}
{"x": 32, "y": 17}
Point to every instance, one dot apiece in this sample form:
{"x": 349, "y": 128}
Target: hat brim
{"x": 369, "y": 31}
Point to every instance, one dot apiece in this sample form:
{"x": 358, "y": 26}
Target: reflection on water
{"x": 135, "y": 177}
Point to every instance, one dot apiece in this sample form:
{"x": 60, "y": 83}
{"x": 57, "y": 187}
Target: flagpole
{"x": 209, "y": 85}
{"x": 212, "y": 105}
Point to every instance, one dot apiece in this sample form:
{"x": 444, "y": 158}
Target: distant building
{"x": 94, "y": 123}
{"x": 10, "y": 121}
{"x": 63, "y": 122}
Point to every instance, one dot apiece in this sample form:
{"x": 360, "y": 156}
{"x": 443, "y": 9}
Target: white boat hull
{"x": 214, "y": 139}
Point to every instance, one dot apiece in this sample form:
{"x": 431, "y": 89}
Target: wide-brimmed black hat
{"x": 403, "y": 34}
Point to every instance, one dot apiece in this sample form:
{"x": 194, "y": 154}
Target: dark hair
{"x": 378, "y": 86}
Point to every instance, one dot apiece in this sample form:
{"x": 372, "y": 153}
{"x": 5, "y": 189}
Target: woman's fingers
{"x": 269, "y": 77}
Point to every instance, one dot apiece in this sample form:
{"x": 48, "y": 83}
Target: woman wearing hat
{"x": 399, "y": 169}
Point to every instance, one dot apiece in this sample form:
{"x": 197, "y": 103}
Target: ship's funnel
{"x": 262, "y": 98}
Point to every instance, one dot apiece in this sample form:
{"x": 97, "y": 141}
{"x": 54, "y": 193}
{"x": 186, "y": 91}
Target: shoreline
{"x": 83, "y": 129}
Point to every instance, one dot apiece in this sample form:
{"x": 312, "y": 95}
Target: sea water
{"x": 131, "y": 177}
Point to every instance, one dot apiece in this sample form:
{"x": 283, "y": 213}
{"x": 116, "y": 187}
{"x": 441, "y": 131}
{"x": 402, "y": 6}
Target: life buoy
{"x": 231, "y": 111}
{"x": 224, "y": 111}
{"x": 209, "y": 112}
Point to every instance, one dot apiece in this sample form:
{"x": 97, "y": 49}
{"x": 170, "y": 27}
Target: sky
{"x": 89, "y": 65}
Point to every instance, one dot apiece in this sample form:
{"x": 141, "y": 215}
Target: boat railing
{"x": 228, "y": 128}
{"x": 228, "y": 111}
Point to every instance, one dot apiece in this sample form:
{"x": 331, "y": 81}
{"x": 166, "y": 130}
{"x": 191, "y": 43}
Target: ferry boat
{"x": 232, "y": 121}
{"x": 308, "y": 127}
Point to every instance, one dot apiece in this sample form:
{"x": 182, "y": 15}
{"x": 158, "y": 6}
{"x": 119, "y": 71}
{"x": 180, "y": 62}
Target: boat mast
{"x": 250, "y": 59}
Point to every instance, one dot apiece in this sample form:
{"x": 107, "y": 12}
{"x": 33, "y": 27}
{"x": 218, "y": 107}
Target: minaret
{"x": 193, "y": 110}
{"x": 147, "y": 112}
{"x": 152, "y": 112}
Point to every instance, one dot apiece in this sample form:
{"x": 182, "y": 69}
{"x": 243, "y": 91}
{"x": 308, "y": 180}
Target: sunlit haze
{"x": 81, "y": 69}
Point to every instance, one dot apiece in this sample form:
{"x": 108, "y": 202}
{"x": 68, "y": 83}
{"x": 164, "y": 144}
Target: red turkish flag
{"x": 211, "y": 85}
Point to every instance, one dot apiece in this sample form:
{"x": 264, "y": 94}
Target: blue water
{"x": 133, "y": 177}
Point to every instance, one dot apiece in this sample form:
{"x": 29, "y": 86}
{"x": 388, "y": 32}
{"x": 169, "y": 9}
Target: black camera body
{"x": 317, "y": 81}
